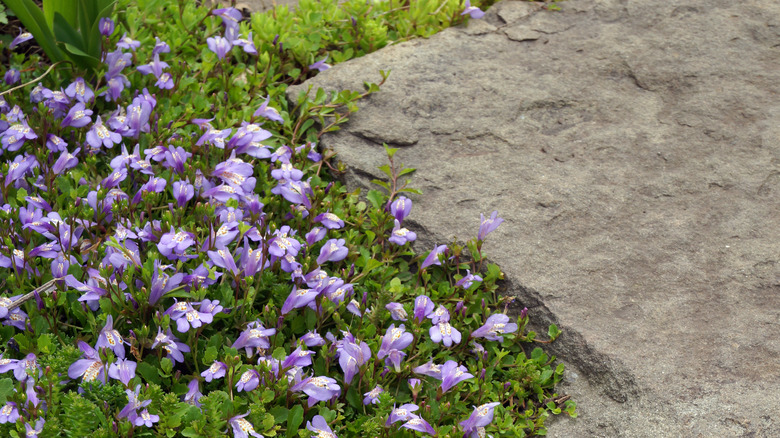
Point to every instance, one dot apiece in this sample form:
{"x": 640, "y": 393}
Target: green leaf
{"x": 553, "y": 332}
{"x": 6, "y": 389}
{"x": 34, "y": 21}
{"x": 376, "y": 198}
{"x": 294, "y": 420}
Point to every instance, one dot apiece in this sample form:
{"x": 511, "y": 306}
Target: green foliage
{"x": 228, "y": 91}
{"x": 65, "y": 29}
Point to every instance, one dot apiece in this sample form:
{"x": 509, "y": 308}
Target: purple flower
{"x": 423, "y": 306}
{"x": 443, "y": 332}
{"x": 183, "y": 191}
{"x": 162, "y": 283}
{"x": 242, "y": 428}
{"x": 122, "y": 370}
{"x": 171, "y": 345}
{"x": 23, "y": 36}
{"x": 128, "y": 43}
{"x": 429, "y": 369}
{"x": 315, "y": 235}
{"x": 473, "y": 11}
{"x": 396, "y": 338}
{"x": 299, "y": 298}
{"x": 402, "y": 413}
{"x": 55, "y": 144}
{"x": 78, "y": 116}
{"x": 193, "y": 394}
{"x": 452, "y": 374}
{"x": 320, "y": 65}
{"x": 219, "y": 45}
{"x": 133, "y": 404}
{"x": 283, "y": 243}
{"x": 9, "y": 413}
{"x": 65, "y": 161}
{"x": 468, "y": 279}
{"x": 12, "y": 76}
{"x": 255, "y": 336}
{"x": 160, "y": 47}
{"x": 267, "y": 112}
{"x": 397, "y": 311}
{"x": 310, "y": 339}
{"x": 481, "y": 417}
{"x": 420, "y": 425}
{"x": 400, "y": 208}
{"x": 110, "y": 338}
{"x": 352, "y": 356}
{"x": 91, "y": 367}
{"x": 319, "y": 426}
{"x": 440, "y": 315}
{"x": 106, "y": 26}
{"x": 372, "y": 397}
{"x": 32, "y": 432}
{"x": 99, "y": 135}
{"x": 146, "y": 419}
{"x": 248, "y": 381}
{"x": 329, "y": 221}
{"x": 401, "y": 236}
{"x": 318, "y": 389}
{"x": 495, "y": 326}
{"x": 215, "y": 371}
{"x": 116, "y": 62}
{"x": 173, "y": 244}
{"x": 247, "y": 44}
{"x": 433, "y": 257}
{"x": 79, "y": 90}
{"x": 186, "y": 316}
{"x": 488, "y": 225}
{"x": 224, "y": 259}
{"x": 230, "y": 18}
{"x": 137, "y": 120}
{"x": 333, "y": 251}
{"x": 175, "y": 157}
{"x": 297, "y": 359}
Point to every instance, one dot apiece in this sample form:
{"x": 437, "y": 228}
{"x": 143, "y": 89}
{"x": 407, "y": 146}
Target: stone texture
{"x": 633, "y": 148}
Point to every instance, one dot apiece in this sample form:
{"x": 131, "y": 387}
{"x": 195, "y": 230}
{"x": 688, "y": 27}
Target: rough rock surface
{"x": 633, "y": 147}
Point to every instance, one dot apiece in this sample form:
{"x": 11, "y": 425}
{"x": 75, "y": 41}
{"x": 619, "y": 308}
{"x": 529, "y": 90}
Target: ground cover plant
{"x": 197, "y": 271}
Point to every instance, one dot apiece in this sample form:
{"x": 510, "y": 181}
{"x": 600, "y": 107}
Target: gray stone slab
{"x": 633, "y": 147}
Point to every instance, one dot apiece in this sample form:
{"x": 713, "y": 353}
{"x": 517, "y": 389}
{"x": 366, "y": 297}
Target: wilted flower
{"x": 397, "y": 311}
{"x": 429, "y": 369}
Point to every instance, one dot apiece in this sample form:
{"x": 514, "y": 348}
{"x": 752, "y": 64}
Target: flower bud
{"x": 524, "y": 313}
{"x": 106, "y": 26}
